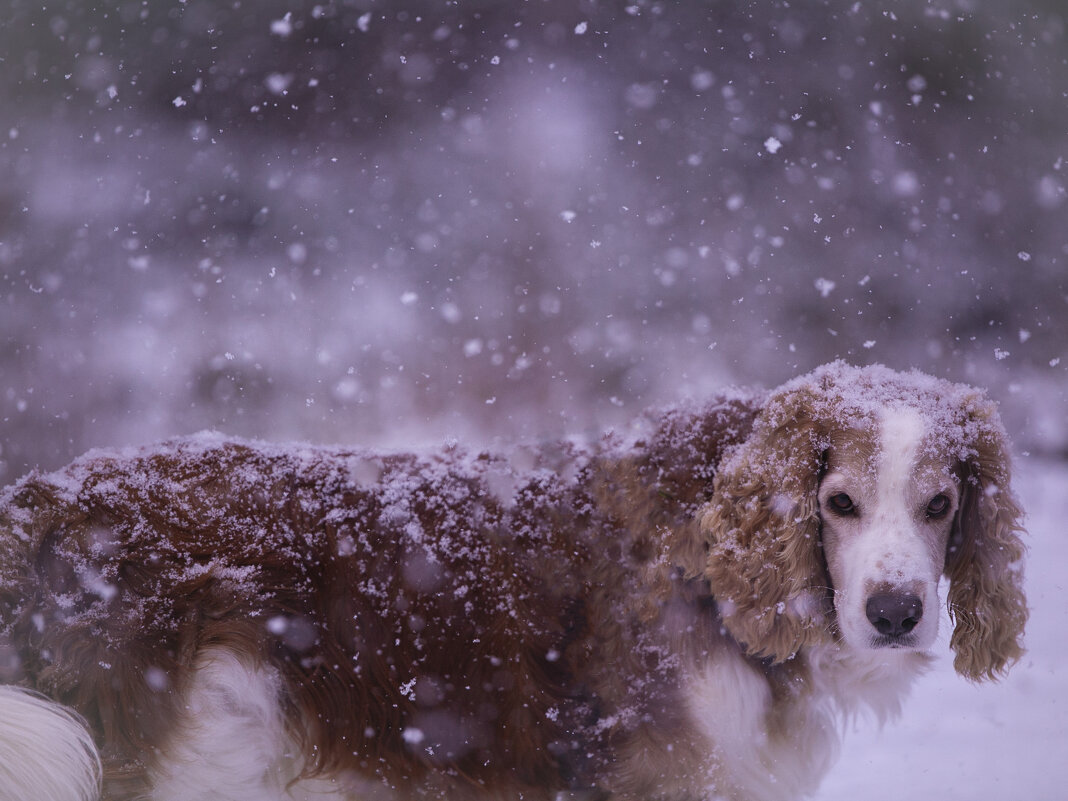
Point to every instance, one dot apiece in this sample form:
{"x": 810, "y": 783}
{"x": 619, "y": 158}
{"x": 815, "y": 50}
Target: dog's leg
{"x": 46, "y": 752}
{"x": 230, "y": 742}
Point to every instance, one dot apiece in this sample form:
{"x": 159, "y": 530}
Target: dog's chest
{"x": 764, "y": 742}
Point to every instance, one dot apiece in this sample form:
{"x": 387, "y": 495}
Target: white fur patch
{"x": 730, "y": 702}
{"x": 231, "y": 744}
{"x": 46, "y": 752}
{"x": 899, "y": 444}
{"x": 889, "y": 549}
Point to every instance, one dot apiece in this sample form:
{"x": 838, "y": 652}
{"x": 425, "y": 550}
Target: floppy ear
{"x": 986, "y": 599}
{"x": 765, "y": 565}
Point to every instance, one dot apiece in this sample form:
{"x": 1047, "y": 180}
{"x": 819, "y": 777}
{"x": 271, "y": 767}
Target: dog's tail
{"x": 46, "y": 751}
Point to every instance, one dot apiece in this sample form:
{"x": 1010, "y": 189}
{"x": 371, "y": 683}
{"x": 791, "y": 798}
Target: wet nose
{"x": 894, "y": 614}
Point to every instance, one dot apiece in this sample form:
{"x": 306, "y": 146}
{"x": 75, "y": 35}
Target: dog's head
{"x": 856, "y": 491}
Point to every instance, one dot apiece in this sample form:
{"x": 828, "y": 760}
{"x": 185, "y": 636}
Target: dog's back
{"x": 492, "y": 622}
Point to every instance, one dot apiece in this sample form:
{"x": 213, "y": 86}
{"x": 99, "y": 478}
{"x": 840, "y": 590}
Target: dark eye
{"x": 841, "y": 504}
{"x": 938, "y": 506}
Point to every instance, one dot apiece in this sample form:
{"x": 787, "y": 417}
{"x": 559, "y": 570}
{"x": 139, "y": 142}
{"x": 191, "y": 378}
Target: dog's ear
{"x": 765, "y": 565}
{"x": 986, "y": 599}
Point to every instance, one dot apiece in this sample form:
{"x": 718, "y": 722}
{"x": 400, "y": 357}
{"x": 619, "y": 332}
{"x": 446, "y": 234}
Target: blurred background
{"x": 397, "y": 222}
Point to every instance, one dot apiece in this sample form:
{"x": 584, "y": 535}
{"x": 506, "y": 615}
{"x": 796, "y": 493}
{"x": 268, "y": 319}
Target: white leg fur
{"x": 231, "y": 744}
{"x": 46, "y": 752}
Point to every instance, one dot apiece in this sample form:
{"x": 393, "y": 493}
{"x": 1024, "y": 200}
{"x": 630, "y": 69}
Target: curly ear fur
{"x": 765, "y": 566}
{"x": 986, "y": 599}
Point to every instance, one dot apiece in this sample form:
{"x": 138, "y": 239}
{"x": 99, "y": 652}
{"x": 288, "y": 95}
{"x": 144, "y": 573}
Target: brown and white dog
{"x": 682, "y": 614}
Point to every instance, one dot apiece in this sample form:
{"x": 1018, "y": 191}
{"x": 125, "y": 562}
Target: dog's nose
{"x": 894, "y": 614}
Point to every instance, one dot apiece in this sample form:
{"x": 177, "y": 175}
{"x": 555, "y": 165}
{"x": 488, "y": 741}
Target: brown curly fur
{"x": 986, "y": 598}
{"x": 764, "y": 563}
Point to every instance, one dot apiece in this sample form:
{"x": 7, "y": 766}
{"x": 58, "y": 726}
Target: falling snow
{"x": 390, "y": 227}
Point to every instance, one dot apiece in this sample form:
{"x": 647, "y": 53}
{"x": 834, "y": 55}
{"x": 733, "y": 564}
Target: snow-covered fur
{"x": 683, "y": 613}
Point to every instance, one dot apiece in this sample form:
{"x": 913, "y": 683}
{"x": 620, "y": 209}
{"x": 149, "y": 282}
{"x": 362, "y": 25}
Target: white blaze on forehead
{"x": 899, "y": 554}
{"x": 885, "y": 546}
{"x": 893, "y": 552}
{"x": 899, "y": 443}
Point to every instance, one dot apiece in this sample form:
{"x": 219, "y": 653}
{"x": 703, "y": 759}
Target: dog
{"x": 684, "y": 611}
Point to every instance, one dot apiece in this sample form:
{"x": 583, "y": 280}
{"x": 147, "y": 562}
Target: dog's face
{"x": 887, "y": 507}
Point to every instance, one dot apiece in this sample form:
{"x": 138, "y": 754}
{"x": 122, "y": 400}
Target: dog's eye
{"x": 938, "y": 506}
{"x": 841, "y": 503}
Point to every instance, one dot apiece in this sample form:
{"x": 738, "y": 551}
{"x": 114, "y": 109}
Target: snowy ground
{"x": 959, "y": 742}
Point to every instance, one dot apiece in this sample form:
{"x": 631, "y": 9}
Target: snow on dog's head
{"x": 863, "y": 486}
